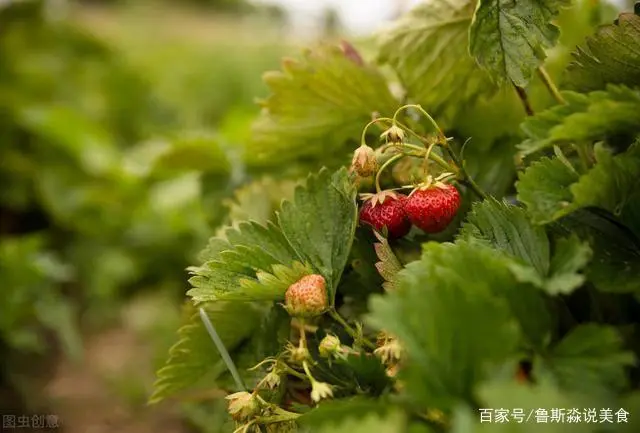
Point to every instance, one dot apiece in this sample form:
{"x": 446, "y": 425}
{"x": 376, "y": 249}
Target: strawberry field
{"x": 433, "y": 229}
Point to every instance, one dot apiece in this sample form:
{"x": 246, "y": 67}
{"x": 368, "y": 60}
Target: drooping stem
{"x": 384, "y": 166}
{"x": 550, "y": 85}
{"x": 352, "y": 332}
{"x": 524, "y": 98}
{"x": 364, "y": 131}
{"x": 466, "y": 179}
{"x": 441, "y": 135}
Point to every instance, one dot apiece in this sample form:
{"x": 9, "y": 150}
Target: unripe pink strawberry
{"x": 307, "y": 297}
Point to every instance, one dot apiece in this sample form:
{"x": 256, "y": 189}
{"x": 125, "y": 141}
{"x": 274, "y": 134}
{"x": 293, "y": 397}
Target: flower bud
{"x": 320, "y": 390}
{"x": 364, "y": 162}
{"x": 330, "y": 345}
{"x": 394, "y": 134}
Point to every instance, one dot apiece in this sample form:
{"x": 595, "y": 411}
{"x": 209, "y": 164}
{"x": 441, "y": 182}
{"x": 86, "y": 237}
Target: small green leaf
{"x": 584, "y": 118}
{"x": 446, "y": 305}
{"x": 590, "y": 359}
{"x": 428, "y": 49}
{"x": 611, "y": 182}
{"x": 509, "y": 38}
{"x": 316, "y": 106}
{"x": 259, "y": 200}
{"x": 389, "y": 265}
{"x": 610, "y": 56}
{"x": 544, "y": 188}
{"x": 320, "y": 223}
{"x": 508, "y": 229}
{"x": 570, "y": 256}
{"x": 337, "y": 411}
{"x": 389, "y": 421}
{"x": 195, "y": 355}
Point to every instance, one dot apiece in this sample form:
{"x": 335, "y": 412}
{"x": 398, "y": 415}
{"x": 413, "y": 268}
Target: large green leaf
{"x": 508, "y": 229}
{"x": 194, "y": 355}
{"x": 388, "y": 422}
{"x": 443, "y": 312}
{"x": 509, "y": 38}
{"x": 256, "y": 262}
{"x": 584, "y": 118}
{"x": 320, "y": 223}
{"x": 552, "y": 190}
{"x": 544, "y": 188}
{"x": 428, "y": 49}
{"x": 590, "y": 359}
{"x": 316, "y": 105}
{"x": 610, "y": 56}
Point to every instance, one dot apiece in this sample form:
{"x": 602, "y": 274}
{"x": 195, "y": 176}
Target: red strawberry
{"x": 433, "y": 208}
{"x": 307, "y": 297}
{"x": 386, "y": 209}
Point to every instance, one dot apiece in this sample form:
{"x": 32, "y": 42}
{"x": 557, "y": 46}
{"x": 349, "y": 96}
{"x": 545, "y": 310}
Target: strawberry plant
{"x": 479, "y": 253}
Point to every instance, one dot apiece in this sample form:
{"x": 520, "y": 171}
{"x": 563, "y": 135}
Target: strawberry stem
{"x": 352, "y": 332}
{"x": 364, "y": 131}
{"x": 384, "y": 166}
{"x": 441, "y": 136}
{"x": 550, "y": 85}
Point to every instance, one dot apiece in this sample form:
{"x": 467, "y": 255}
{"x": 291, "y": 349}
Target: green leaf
{"x": 390, "y": 421}
{"x": 551, "y": 190}
{"x": 509, "y": 38}
{"x": 570, "y": 256}
{"x": 389, "y": 265}
{"x": 611, "y": 182}
{"x": 544, "y": 188}
{"x": 316, "y": 105}
{"x": 241, "y": 262}
{"x": 270, "y": 286}
{"x": 590, "y": 359}
{"x": 584, "y": 118}
{"x": 610, "y": 56}
{"x": 195, "y": 355}
{"x": 259, "y": 200}
{"x": 446, "y": 305}
{"x": 428, "y": 49}
{"x": 508, "y": 229}
{"x": 338, "y": 411}
{"x": 320, "y": 223}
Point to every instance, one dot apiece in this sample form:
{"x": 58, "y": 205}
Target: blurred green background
{"x": 120, "y": 132}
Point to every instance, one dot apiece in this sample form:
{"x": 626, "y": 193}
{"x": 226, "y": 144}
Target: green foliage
{"x": 428, "y": 48}
{"x": 316, "y": 105}
{"x": 598, "y": 62}
{"x": 590, "y": 359}
{"x": 509, "y": 38}
{"x": 450, "y": 356}
{"x": 585, "y": 118}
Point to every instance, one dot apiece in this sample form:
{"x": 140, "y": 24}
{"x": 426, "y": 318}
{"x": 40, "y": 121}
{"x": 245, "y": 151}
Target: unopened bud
{"x": 394, "y": 134}
{"x": 364, "y": 162}
{"x": 330, "y": 345}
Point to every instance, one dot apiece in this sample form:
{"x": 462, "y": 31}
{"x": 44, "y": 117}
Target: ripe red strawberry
{"x": 307, "y": 297}
{"x": 386, "y": 209}
{"x": 433, "y": 208}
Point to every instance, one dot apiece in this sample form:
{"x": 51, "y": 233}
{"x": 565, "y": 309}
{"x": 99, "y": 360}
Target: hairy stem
{"x": 524, "y": 98}
{"x": 550, "y": 85}
{"x": 384, "y": 166}
{"x": 352, "y": 332}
